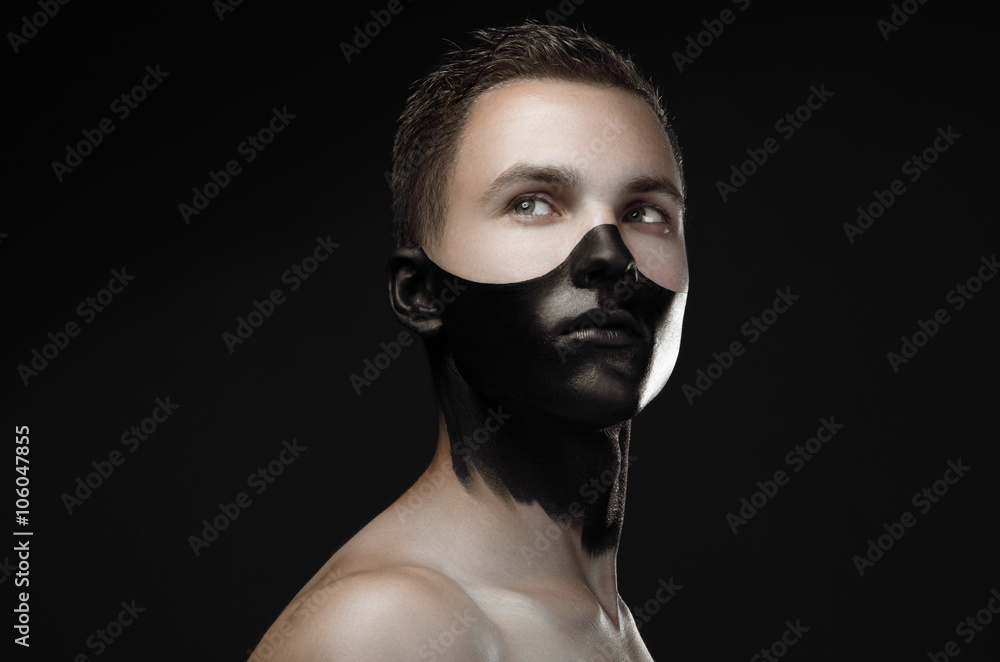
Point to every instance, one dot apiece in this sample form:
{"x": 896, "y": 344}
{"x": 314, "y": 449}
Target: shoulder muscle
{"x": 404, "y": 613}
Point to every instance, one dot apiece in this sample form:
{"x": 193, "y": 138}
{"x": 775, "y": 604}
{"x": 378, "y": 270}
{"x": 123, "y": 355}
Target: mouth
{"x": 614, "y": 329}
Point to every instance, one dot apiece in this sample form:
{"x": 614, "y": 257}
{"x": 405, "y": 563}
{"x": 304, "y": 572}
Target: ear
{"x": 412, "y": 282}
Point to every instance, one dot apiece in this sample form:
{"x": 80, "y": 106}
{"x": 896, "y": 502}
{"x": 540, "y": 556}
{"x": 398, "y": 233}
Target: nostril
{"x": 599, "y": 271}
{"x": 631, "y": 275}
{"x": 611, "y": 270}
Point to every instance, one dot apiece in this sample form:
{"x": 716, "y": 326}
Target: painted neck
{"x": 578, "y": 475}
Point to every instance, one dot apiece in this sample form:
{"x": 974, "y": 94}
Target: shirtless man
{"x": 538, "y": 207}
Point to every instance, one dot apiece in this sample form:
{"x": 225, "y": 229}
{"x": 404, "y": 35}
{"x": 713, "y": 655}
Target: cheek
{"x": 661, "y": 259}
{"x": 679, "y": 272}
{"x": 500, "y": 251}
{"x": 498, "y": 341}
{"x": 455, "y": 250}
{"x": 666, "y": 347}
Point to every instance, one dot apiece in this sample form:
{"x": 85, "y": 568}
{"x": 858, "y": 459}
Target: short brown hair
{"x": 436, "y": 112}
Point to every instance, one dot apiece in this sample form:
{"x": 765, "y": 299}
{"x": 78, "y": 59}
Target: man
{"x": 538, "y": 207}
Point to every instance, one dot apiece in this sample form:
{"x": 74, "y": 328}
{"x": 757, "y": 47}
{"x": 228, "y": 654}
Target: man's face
{"x": 559, "y": 192}
{"x": 540, "y": 163}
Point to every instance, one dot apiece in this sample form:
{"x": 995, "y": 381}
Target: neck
{"x": 576, "y": 475}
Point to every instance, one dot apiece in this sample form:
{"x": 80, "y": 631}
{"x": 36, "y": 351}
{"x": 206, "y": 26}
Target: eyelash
{"x": 511, "y": 208}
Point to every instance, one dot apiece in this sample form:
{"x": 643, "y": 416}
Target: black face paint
{"x": 539, "y": 379}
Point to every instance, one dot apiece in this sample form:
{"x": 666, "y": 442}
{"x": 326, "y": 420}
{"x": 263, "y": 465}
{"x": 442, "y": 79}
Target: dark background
{"x": 323, "y": 176}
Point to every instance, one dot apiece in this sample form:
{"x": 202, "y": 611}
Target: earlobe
{"x": 411, "y": 277}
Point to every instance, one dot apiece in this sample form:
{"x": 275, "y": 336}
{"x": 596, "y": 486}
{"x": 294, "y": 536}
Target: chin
{"x": 608, "y": 387}
{"x": 585, "y": 394}
{"x": 608, "y": 405}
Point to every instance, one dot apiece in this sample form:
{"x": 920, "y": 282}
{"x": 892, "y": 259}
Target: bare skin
{"x": 507, "y": 583}
{"x": 458, "y": 572}
{"x": 461, "y": 587}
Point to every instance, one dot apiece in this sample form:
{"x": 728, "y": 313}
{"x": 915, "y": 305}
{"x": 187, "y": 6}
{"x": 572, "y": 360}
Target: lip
{"x": 616, "y": 328}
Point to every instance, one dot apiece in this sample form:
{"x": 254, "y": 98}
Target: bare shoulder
{"x": 389, "y": 613}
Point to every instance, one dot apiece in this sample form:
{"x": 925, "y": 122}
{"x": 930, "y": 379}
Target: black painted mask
{"x": 539, "y": 379}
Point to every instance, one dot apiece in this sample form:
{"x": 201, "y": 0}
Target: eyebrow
{"x": 661, "y": 185}
{"x": 522, "y": 173}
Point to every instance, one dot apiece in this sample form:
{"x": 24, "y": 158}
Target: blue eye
{"x": 531, "y": 207}
{"x": 647, "y": 214}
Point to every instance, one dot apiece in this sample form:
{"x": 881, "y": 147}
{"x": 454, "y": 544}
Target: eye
{"x": 530, "y": 206}
{"x": 648, "y": 214}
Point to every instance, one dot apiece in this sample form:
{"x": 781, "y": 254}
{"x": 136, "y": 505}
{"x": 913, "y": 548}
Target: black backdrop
{"x": 323, "y": 176}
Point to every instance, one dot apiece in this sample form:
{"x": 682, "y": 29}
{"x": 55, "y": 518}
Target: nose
{"x": 601, "y": 258}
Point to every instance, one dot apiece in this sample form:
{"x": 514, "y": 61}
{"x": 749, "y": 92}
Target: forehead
{"x": 604, "y": 132}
